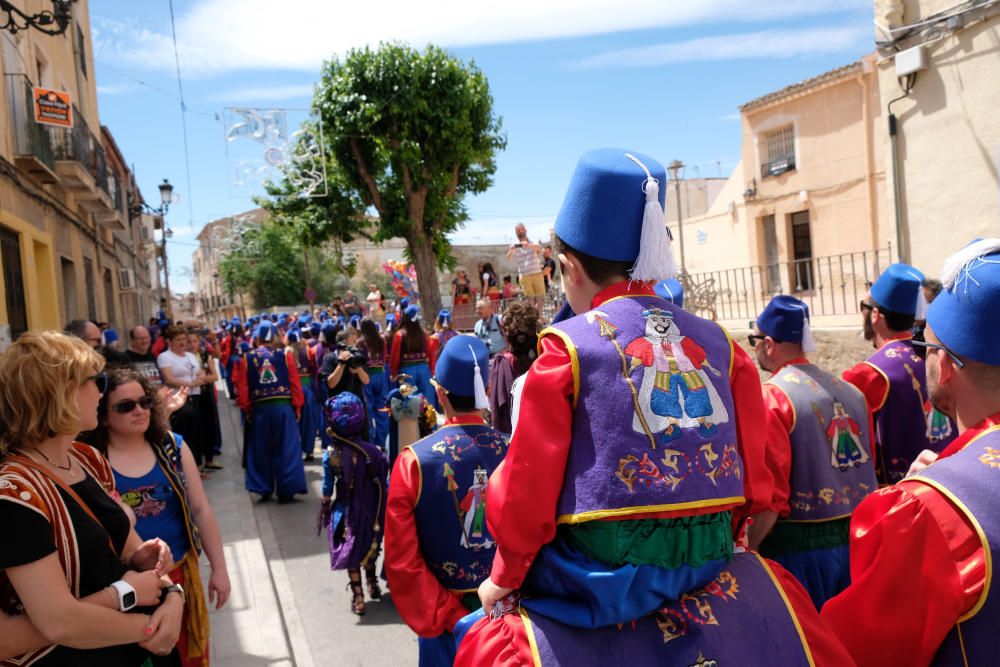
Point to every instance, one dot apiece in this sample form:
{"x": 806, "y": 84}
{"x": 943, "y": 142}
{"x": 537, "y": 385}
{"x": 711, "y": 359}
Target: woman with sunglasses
{"x": 79, "y": 585}
{"x": 157, "y": 477}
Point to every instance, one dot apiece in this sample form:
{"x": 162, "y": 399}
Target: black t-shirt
{"x": 145, "y": 365}
{"x": 99, "y": 567}
{"x": 549, "y": 263}
{"x": 348, "y": 382}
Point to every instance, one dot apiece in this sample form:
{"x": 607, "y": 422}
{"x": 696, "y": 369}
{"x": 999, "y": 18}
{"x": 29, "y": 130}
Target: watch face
{"x": 128, "y": 600}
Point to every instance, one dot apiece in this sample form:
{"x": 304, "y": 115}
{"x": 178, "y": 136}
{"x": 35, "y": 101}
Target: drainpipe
{"x": 897, "y": 190}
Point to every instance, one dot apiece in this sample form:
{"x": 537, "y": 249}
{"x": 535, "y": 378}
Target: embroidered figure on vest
{"x": 938, "y": 424}
{"x": 845, "y": 441}
{"x": 676, "y": 393}
{"x": 474, "y": 533}
{"x": 267, "y": 374}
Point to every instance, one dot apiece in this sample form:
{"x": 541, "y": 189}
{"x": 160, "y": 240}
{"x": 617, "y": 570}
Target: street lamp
{"x": 675, "y": 172}
{"x": 52, "y": 22}
{"x": 137, "y": 208}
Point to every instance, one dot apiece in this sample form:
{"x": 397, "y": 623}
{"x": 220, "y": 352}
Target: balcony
{"x": 115, "y": 217}
{"x": 81, "y": 164}
{"x": 32, "y": 144}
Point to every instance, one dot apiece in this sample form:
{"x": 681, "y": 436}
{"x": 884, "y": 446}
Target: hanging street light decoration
{"x": 52, "y": 22}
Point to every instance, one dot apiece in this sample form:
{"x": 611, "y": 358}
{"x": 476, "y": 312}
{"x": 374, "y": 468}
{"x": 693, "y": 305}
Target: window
{"x": 802, "y": 249}
{"x": 88, "y": 280}
{"x": 13, "y": 278}
{"x": 777, "y": 151}
{"x": 771, "y": 254}
{"x": 68, "y": 271}
{"x": 81, "y": 50}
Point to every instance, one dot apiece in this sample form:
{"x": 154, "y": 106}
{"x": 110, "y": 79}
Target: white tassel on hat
{"x": 479, "y": 389}
{"x": 656, "y": 258}
{"x": 808, "y": 342}
{"x": 921, "y": 311}
{"x": 960, "y": 264}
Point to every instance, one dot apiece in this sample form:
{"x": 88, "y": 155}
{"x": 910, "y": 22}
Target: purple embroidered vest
{"x": 832, "y": 468}
{"x": 301, "y": 357}
{"x": 653, "y": 424}
{"x": 740, "y": 618}
{"x": 905, "y": 424}
{"x": 267, "y": 374}
{"x": 971, "y": 480}
{"x": 455, "y": 465}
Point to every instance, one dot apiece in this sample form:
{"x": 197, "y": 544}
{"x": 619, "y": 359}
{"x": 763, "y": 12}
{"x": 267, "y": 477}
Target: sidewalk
{"x": 251, "y": 630}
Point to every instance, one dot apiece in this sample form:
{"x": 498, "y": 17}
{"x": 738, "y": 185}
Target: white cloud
{"x": 264, "y": 93}
{"x": 787, "y": 43}
{"x": 117, "y": 88}
{"x": 730, "y": 117}
{"x": 220, "y": 36}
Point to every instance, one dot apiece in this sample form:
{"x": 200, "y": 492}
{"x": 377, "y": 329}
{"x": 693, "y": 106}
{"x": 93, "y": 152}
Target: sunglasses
{"x": 942, "y": 348}
{"x": 753, "y": 338}
{"x": 128, "y": 405}
{"x": 101, "y": 380}
{"x": 864, "y": 305}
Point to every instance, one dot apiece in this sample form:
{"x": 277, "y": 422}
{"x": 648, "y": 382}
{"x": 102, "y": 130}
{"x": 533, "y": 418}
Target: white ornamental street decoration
{"x": 259, "y": 148}
{"x": 239, "y": 235}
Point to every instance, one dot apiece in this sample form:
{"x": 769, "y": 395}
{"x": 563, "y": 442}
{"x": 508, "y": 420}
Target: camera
{"x": 358, "y": 358}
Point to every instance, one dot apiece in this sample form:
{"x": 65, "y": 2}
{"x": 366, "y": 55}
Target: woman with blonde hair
{"x": 71, "y": 565}
{"x": 157, "y": 477}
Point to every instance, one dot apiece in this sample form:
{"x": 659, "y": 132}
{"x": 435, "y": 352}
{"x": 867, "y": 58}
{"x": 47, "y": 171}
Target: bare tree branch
{"x": 366, "y": 175}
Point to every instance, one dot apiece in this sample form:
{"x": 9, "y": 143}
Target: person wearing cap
{"x": 270, "y": 395}
{"x": 354, "y": 517}
{"x": 893, "y": 378}
{"x": 413, "y": 352}
{"x": 438, "y": 547}
{"x": 671, "y": 290}
{"x": 923, "y": 588}
{"x": 442, "y": 328}
{"x": 819, "y": 437}
{"x": 305, "y": 366}
{"x": 637, "y": 454}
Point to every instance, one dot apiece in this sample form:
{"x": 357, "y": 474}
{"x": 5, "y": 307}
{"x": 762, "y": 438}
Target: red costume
{"x": 396, "y": 353}
{"x": 917, "y": 565}
{"x": 243, "y": 392}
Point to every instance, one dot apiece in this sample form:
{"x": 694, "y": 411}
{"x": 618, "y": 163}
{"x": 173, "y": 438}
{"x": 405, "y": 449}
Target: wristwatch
{"x": 174, "y": 588}
{"x": 126, "y": 595}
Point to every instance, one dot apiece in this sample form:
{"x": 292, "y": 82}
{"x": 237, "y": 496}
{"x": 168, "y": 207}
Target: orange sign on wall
{"x": 53, "y": 107}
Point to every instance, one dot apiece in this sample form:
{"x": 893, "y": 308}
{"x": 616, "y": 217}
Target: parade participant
{"x": 819, "y": 437}
{"x": 638, "y": 447}
{"x": 520, "y": 327}
{"x": 389, "y": 334}
{"x": 892, "y": 379}
{"x": 355, "y": 516}
{"x": 434, "y": 563}
{"x": 413, "y": 352}
{"x": 305, "y": 365}
{"x": 411, "y": 416}
{"x": 72, "y": 568}
{"x": 230, "y": 352}
{"x": 377, "y": 390}
{"x": 156, "y": 476}
{"x": 442, "y": 329}
{"x": 270, "y": 395}
{"x": 671, "y": 290}
{"x": 922, "y": 590}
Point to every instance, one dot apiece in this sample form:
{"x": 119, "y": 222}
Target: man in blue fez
{"x": 637, "y": 455}
{"x": 923, "y": 587}
{"x": 270, "y": 395}
{"x": 819, "y": 437}
{"x": 438, "y": 548}
{"x": 893, "y": 378}
{"x": 672, "y": 290}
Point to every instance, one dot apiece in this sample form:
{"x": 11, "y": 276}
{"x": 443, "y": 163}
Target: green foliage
{"x": 269, "y": 266}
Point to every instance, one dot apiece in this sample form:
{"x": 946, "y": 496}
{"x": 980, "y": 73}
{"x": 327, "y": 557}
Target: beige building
{"x": 939, "y": 70}
{"x": 804, "y": 211}
{"x": 212, "y": 301}
{"x": 65, "y": 230}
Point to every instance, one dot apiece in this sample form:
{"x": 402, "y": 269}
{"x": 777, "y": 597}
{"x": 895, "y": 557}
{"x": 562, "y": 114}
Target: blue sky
{"x": 663, "y": 77}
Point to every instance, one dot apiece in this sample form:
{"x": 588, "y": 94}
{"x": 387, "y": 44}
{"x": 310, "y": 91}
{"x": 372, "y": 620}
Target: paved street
{"x": 287, "y": 607}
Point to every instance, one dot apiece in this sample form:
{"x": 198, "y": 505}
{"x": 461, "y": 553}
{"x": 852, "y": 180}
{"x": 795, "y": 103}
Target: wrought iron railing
{"x": 464, "y": 316}
{"x": 30, "y": 138}
{"x": 79, "y": 144}
{"x": 830, "y": 285}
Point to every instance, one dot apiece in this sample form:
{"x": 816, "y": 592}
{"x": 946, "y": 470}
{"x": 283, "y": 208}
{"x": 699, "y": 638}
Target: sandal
{"x": 374, "y": 592}
{"x": 357, "y": 594}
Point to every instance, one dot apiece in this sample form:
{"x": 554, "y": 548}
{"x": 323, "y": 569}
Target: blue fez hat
{"x": 266, "y": 332}
{"x": 412, "y": 313}
{"x": 965, "y": 316}
{"x": 786, "y": 319}
{"x": 898, "y": 289}
{"x": 164, "y": 323}
{"x": 444, "y": 315}
{"x": 328, "y": 329}
{"x": 614, "y": 210}
{"x": 403, "y": 303}
{"x": 390, "y": 318}
{"x": 355, "y": 322}
{"x": 110, "y": 336}
{"x": 671, "y": 290}
{"x": 315, "y": 328}
{"x": 462, "y": 368}
{"x": 293, "y": 335}
{"x": 305, "y": 319}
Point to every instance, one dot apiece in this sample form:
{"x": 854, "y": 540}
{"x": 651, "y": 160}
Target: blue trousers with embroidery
{"x": 668, "y": 403}
{"x": 274, "y": 452}
{"x": 822, "y": 572}
{"x": 375, "y": 395}
{"x": 309, "y": 422}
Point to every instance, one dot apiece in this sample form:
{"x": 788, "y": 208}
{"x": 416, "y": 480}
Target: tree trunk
{"x": 425, "y": 262}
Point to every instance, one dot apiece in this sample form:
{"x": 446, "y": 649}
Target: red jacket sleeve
{"x": 240, "y": 383}
{"x": 641, "y": 349}
{"x": 916, "y": 567}
{"x": 426, "y": 606}
{"x": 432, "y": 352}
{"x": 780, "y": 420}
{"x": 751, "y": 422}
{"x": 871, "y": 383}
{"x": 536, "y": 459}
{"x": 294, "y": 381}
{"x": 395, "y": 354}
{"x": 695, "y": 353}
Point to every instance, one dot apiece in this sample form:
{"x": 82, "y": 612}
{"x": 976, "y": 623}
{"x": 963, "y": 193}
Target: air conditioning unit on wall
{"x": 126, "y": 280}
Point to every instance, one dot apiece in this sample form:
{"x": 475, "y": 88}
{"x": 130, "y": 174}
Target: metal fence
{"x": 830, "y": 285}
{"x": 464, "y": 316}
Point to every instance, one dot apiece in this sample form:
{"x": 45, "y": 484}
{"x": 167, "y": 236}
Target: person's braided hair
{"x": 520, "y": 325}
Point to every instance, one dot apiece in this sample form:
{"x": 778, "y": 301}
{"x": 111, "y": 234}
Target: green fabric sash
{"x": 792, "y": 537}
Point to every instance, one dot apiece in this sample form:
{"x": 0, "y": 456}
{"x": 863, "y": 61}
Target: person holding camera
{"x": 529, "y": 266}
{"x": 345, "y": 369}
